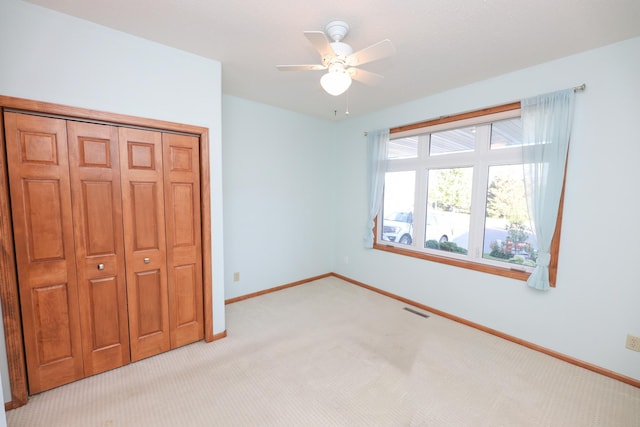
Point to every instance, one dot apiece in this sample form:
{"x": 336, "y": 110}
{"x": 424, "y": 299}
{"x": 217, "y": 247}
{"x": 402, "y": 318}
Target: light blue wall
{"x": 295, "y": 190}
{"x": 279, "y": 186}
{"x": 596, "y": 300}
{"x": 48, "y": 56}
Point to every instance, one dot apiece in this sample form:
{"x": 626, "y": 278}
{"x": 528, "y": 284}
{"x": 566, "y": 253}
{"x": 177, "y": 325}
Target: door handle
{"x": 147, "y": 260}
{"x": 100, "y": 266}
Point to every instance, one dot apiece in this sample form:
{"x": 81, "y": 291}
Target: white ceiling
{"x": 441, "y": 44}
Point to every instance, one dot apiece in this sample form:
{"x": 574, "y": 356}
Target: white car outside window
{"x": 398, "y": 227}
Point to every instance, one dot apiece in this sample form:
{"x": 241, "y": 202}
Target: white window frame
{"x": 480, "y": 159}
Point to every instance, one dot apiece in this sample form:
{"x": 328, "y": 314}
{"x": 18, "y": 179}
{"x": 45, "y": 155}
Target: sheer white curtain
{"x": 376, "y": 167}
{"x": 546, "y": 126}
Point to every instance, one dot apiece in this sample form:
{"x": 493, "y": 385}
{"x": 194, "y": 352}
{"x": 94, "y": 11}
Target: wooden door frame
{"x": 11, "y": 316}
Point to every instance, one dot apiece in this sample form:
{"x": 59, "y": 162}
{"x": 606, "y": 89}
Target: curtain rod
{"x": 581, "y": 87}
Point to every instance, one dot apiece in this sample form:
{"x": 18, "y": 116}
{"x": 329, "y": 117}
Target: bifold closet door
{"x": 94, "y": 167}
{"x": 107, "y": 229}
{"x": 44, "y": 244}
{"x": 144, "y": 239}
{"x": 184, "y": 256}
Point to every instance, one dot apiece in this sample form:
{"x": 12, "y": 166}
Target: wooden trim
{"x": 219, "y": 335}
{"x": 485, "y": 268}
{"x": 11, "y": 317}
{"x": 13, "y": 404}
{"x": 554, "y": 250}
{"x": 457, "y": 117}
{"x": 8, "y": 274}
{"x": 49, "y": 109}
{"x": 205, "y": 215}
{"x": 276, "y": 289}
{"x": 594, "y": 368}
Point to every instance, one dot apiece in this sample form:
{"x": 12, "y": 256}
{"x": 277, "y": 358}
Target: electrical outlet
{"x": 633, "y": 343}
{"x": 236, "y": 276}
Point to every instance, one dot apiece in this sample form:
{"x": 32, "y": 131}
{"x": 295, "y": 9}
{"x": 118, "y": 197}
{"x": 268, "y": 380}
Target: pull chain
{"x": 347, "y": 111}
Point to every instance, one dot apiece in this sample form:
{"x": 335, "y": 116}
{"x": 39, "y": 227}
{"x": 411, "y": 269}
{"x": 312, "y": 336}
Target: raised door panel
{"x": 145, "y": 244}
{"x": 45, "y": 255}
{"x": 95, "y": 183}
{"x": 150, "y": 312}
{"x": 184, "y": 257}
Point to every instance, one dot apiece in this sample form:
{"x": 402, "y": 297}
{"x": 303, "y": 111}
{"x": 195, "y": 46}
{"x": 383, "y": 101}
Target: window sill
{"x": 490, "y": 269}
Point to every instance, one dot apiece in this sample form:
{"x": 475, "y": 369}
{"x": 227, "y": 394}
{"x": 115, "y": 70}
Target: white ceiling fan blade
{"x": 366, "y": 77}
{"x": 380, "y": 50}
{"x": 320, "y": 42}
{"x": 315, "y": 67}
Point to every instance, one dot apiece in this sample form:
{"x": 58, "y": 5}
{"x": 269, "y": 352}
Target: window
{"x": 454, "y": 193}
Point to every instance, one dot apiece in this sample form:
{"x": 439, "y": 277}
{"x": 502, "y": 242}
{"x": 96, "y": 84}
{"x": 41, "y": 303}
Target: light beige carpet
{"x": 329, "y": 353}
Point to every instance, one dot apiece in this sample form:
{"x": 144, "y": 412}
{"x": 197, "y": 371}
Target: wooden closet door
{"x": 97, "y": 210}
{"x": 184, "y": 251}
{"x": 145, "y": 244}
{"x": 45, "y": 257}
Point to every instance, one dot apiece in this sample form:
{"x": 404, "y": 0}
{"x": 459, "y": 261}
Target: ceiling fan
{"x": 340, "y": 60}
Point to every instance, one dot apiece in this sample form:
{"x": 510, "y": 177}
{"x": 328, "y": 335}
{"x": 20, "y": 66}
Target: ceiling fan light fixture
{"x": 335, "y": 82}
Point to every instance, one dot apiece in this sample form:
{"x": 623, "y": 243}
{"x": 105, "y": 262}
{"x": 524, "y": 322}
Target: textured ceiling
{"x": 441, "y": 44}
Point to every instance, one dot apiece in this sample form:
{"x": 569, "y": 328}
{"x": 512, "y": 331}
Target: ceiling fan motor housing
{"x": 341, "y": 53}
{"x": 341, "y": 49}
{"x": 337, "y": 30}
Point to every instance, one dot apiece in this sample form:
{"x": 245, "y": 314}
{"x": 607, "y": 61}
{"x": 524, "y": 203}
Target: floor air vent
{"x": 410, "y": 310}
